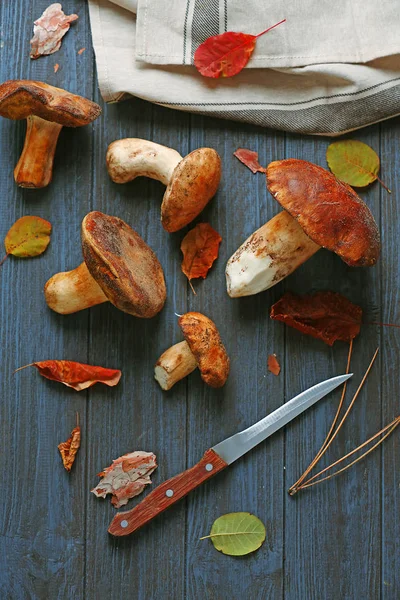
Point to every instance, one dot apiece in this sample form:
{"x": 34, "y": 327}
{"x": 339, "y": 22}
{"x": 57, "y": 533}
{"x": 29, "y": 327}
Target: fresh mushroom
{"x": 322, "y": 212}
{"x": 191, "y": 181}
{"x": 47, "y": 110}
{"x": 119, "y": 267}
{"x": 203, "y": 348}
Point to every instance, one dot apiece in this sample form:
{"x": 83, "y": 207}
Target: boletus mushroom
{"x": 320, "y": 212}
{"x": 201, "y": 349}
{"x": 191, "y": 181}
{"x": 119, "y": 267}
{"x": 47, "y": 110}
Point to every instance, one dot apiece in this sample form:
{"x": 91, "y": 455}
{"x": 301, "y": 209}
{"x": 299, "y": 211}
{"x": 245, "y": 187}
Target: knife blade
{"x": 218, "y": 458}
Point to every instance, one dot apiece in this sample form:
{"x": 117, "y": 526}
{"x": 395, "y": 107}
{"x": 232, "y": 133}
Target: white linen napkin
{"x": 331, "y": 68}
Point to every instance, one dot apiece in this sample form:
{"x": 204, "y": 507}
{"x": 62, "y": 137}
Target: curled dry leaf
{"x": 29, "y": 236}
{"x": 226, "y": 54}
{"x": 49, "y": 30}
{"x": 237, "y": 534}
{"x": 327, "y": 316}
{"x": 76, "y": 375}
{"x": 273, "y": 365}
{"x": 250, "y": 159}
{"x": 354, "y": 163}
{"x": 69, "y": 448}
{"x": 126, "y": 477}
{"x": 200, "y": 249}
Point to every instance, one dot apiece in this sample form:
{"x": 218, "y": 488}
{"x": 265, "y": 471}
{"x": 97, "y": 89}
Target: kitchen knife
{"x": 217, "y": 458}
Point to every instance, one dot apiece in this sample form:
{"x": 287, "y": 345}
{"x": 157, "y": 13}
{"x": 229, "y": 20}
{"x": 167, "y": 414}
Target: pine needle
{"x": 391, "y": 427}
{"x": 296, "y": 487}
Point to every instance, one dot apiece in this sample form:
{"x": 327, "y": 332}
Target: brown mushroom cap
{"x": 20, "y": 98}
{"x": 193, "y": 183}
{"x": 205, "y": 343}
{"x": 123, "y": 265}
{"x": 329, "y": 211}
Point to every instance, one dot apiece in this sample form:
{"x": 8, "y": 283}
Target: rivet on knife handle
{"x": 166, "y": 494}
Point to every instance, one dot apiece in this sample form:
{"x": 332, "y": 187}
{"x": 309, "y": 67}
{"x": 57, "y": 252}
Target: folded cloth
{"x": 331, "y": 68}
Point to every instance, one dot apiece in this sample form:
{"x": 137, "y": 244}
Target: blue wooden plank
{"x": 254, "y": 483}
{"x": 390, "y": 151}
{"x": 42, "y": 524}
{"x": 334, "y": 527}
{"x": 137, "y": 415}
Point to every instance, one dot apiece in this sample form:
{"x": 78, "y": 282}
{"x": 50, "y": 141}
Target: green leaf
{"x": 29, "y": 236}
{"x": 237, "y": 534}
{"x": 354, "y": 163}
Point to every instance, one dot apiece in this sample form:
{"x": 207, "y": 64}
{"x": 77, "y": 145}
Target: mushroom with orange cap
{"x": 191, "y": 181}
{"x": 47, "y": 109}
{"x": 320, "y": 212}
{"x": 119, "y": 267}
{"x": 202, "y": 349}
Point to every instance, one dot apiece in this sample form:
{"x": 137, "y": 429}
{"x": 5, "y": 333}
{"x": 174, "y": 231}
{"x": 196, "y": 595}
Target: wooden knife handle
{"x": 166, "y": 494}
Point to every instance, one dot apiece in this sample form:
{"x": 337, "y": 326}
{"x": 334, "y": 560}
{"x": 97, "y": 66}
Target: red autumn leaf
{"x": 226, "y": 54}
{"x": 69, "y": 448}
{"x": 126, "y": 477}
{"x": 327, "y": 316}
{"x": 49, "y": 30}
{"x": 273, "y": 364}
{"x": 200, "y": 249}
{"x": 250, "y": 159}
{"x": 76, "y": 375}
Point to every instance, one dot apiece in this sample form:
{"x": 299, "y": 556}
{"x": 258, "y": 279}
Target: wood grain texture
{"x": 337, "y": 540}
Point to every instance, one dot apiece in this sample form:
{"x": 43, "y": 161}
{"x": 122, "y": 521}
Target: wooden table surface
{"x": 339, "y": 540}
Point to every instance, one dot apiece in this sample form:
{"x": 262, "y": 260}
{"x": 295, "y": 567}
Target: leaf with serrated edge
{"x": 237, "y": 534}
{"x": 29, "y": 236}
{"x": 353, "y": 162}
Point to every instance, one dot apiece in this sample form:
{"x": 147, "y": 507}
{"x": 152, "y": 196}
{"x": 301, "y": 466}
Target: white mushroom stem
{"x": 132, "y": 157}
{"x": 35, "y": 166}
{"x": 72, "y": 291}
{"x": 269, "y": 255}
{"x": 174, "y": 364}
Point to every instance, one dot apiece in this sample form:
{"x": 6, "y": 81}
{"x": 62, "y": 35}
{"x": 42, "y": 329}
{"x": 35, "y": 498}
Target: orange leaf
{"x": 81, "y": 51}
{"x": 49, "y": 30}
{"x": 327, "y": 316}
{"x": 126, "y": 477}
{"x": 76, "y": 375}
{"x": 56, "y": 67}
{"x": 69, "y": 448}
{"x": 250, "y": 159}
{"x": 273, "y": 364}
{"x": 200, "y": 249}
{"x": 226, "y": 54}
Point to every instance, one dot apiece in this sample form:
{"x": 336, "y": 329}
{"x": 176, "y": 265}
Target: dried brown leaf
{"x": 69, "y": 448}
{"x": 49, "y": 30}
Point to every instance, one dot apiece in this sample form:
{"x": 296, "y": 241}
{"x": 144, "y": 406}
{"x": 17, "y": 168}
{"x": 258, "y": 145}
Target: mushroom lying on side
{"x": 203, "y": 348}
{"x": 191, "y": 181}
{"x": 322, "y": 212}
{"x": 47, "y": 110}
{"x": 119, "y": 267}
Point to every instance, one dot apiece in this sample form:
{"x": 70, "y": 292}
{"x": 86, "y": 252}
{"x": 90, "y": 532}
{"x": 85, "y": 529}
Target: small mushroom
{"x": 119, "y": 267}
{"x": 47, "y": 110}
{"x": 203, "y": 348}
{"x": 191, "y": 181}
{"x": 322, "y": 212}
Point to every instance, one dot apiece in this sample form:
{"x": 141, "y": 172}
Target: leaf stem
{"x": 269, "y": 28}
{"x": 391, "y": 427}
{"x": 24, "y": 367}
{"x": 382, "y": 324}
{"x": 293, "y": 488}
{"x": 232, "y": 533}
{"x": 383, "y": 185}
{"x": 3, "y": 259}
